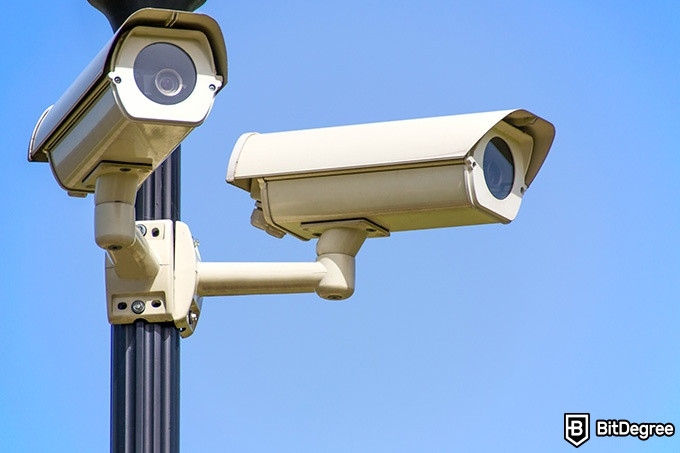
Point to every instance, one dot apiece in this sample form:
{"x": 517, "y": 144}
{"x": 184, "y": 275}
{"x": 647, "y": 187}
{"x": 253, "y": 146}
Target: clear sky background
{"x": 472, "y": 339}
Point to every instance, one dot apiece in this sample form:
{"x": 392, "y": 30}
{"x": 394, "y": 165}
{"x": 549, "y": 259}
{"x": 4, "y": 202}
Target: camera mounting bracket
{"x": 173, "y": 290}
{"x": 169, "y": 295}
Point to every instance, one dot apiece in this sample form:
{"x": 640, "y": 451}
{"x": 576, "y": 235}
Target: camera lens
{"x": 168, "y": 82}
{"x": 499, "y": 168}
{"x": 165, "y": 73}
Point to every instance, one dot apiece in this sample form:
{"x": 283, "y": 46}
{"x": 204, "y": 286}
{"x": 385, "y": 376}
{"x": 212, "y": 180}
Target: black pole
{"x": 145, "y": 357}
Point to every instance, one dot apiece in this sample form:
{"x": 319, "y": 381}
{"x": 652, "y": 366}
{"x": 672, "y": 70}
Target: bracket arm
{"x": 331, "y": 276}
{"x": 231, "y": 279}
{"x": 114, "y": 226}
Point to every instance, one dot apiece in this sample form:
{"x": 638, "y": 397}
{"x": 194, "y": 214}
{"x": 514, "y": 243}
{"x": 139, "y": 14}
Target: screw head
{"x": 138, "y": 307}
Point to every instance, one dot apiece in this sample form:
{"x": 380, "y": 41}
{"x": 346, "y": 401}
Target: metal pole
{"x": 145, "y": 357}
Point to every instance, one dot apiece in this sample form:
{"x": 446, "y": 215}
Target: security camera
{"x": 150, "y": 85}
{"x": 392, "y": 176}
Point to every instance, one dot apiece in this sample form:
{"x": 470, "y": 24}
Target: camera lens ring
{"x": 164, "y": 73}
{"x": 499, "y": 168}
{"x": 168, "y": 82}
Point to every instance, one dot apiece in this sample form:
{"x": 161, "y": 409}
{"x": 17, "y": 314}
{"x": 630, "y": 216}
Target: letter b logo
{"x": 576, "y": 428}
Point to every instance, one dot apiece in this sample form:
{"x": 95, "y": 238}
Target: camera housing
{"x": 150, "y": 85}
{"x": 392, "y": 176}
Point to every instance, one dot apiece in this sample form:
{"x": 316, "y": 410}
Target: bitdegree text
{"x": 623, "y": 428}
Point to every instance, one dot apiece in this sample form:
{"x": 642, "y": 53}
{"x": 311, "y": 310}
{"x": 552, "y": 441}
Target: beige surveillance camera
{"x": 392, "y": 176}
{"x": 152, "y": 83}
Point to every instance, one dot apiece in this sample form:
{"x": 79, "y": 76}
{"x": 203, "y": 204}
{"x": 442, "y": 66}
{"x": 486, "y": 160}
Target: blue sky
{"x": 470, "y": 339}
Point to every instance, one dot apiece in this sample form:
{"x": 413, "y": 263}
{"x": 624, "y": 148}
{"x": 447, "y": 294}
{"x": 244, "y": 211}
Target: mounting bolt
{"x": 138, "y": 307}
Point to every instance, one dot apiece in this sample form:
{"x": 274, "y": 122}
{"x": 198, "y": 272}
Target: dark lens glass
{"x": 169, "y": 82}
{"x": 165, "y": 73}
{"x": 499, "y": 168}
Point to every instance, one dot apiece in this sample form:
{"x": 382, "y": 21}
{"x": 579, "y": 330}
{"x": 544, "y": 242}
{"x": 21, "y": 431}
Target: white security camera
{"x": 152, "y": 83}
{"x": 392, "y": 176}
